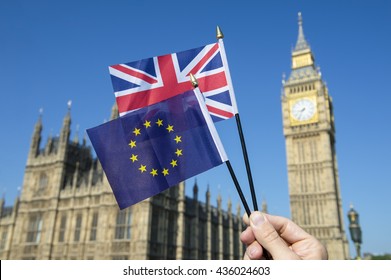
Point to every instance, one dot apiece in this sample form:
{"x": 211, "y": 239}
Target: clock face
{"x": 303, "y": 109}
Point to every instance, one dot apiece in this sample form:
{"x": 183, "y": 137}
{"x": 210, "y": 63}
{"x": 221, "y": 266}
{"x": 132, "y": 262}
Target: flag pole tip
{"x": 219, "y": 33}
{"x": 193, "y": 80}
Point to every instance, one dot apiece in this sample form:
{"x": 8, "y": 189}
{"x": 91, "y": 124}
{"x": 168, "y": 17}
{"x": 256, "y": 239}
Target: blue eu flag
{"x": 149, "y": 150}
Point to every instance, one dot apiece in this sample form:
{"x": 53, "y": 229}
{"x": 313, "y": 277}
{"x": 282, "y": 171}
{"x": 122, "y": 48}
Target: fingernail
{"x": 257, "y": 218}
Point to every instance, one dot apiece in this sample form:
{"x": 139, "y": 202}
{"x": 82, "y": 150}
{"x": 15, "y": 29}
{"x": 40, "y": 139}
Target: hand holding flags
{"x": 139, "y": 154}
{"x": 156, "y": 147}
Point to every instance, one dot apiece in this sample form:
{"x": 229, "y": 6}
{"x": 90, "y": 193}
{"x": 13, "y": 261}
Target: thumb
{"x": 269, "y": 238}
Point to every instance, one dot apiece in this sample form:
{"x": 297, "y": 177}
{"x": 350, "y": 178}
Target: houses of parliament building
{"x": 67, "y": 210}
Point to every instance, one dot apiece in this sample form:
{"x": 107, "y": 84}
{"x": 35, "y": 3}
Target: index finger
{"x": 287, "y": 229}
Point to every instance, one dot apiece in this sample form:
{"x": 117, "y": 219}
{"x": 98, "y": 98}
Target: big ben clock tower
{"x": 315, "y": 197}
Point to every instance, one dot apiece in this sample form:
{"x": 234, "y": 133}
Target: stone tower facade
{"x": 67, "y": 211}
{"x": 309, "y": 131}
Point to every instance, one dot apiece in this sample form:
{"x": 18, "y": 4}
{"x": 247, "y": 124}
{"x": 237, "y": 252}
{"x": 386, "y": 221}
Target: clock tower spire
{"x": 308, "y": 124}
{"x": 302, "y": 55}
{"x": 301, "y": 43}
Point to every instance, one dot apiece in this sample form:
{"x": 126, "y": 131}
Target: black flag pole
{"x": 238, "y": 188}
{"x": 220, "y": 36}
{"x": 229, "y": 166}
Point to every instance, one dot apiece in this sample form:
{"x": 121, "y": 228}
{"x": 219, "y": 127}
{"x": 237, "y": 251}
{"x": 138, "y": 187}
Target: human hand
{"x": 281, "y": 237}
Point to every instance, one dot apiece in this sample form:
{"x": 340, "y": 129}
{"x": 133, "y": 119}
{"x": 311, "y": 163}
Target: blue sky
{"x": 55, "y": 51}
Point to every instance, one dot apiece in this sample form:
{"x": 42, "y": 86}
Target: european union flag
{"x": 149, "y": 150}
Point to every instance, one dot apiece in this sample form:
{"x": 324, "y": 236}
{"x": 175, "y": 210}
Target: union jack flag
{"x": 148, "y": 81}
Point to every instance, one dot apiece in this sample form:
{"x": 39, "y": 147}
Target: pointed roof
{"x": 38, "y": 125}
{"x": 264, "y": 206}
{"x": 114, "y": 111}
{"x": 66, "y": 124}
{"x": 195, "y": 187}
{"x": 301, "y": 43}
{"x": 67, "y": 118}
{"x": 303, "y": 60}
{"x": 207, "y": 195}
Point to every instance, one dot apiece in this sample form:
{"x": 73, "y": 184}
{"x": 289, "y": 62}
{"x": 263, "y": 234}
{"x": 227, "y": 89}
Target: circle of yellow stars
{"x": 135, "y": 158}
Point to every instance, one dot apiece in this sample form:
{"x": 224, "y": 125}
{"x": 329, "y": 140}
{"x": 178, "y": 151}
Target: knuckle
{"x": 269, "y": 235}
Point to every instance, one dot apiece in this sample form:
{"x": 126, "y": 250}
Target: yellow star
{"x": 134, "y": 158}
{"x": 153, "y": 172}
{"x": 174, "y": 163}
{"x": 159, "y": 122}
{"x": 170, "y": 128}
{"x": 136, "y": 131}
{"x": 142, "y": 168}
{"x": 165, "y": 172}
{"x": 178, "y": 152}
{"x": 147, "y": 124}
{"x": 178, "y": 139}
{"x": 132, "y": 144}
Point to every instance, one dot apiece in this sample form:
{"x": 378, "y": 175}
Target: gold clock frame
{"x": 315, "y": 117}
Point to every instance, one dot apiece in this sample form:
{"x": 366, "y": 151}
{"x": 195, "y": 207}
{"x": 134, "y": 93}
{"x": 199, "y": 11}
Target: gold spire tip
{"x": 193, "y": 80}
{"x": 219, "y": 33}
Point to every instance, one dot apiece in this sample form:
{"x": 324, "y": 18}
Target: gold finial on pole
{"x": 193, "y": 80}
{"x": 219, "y": 33}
